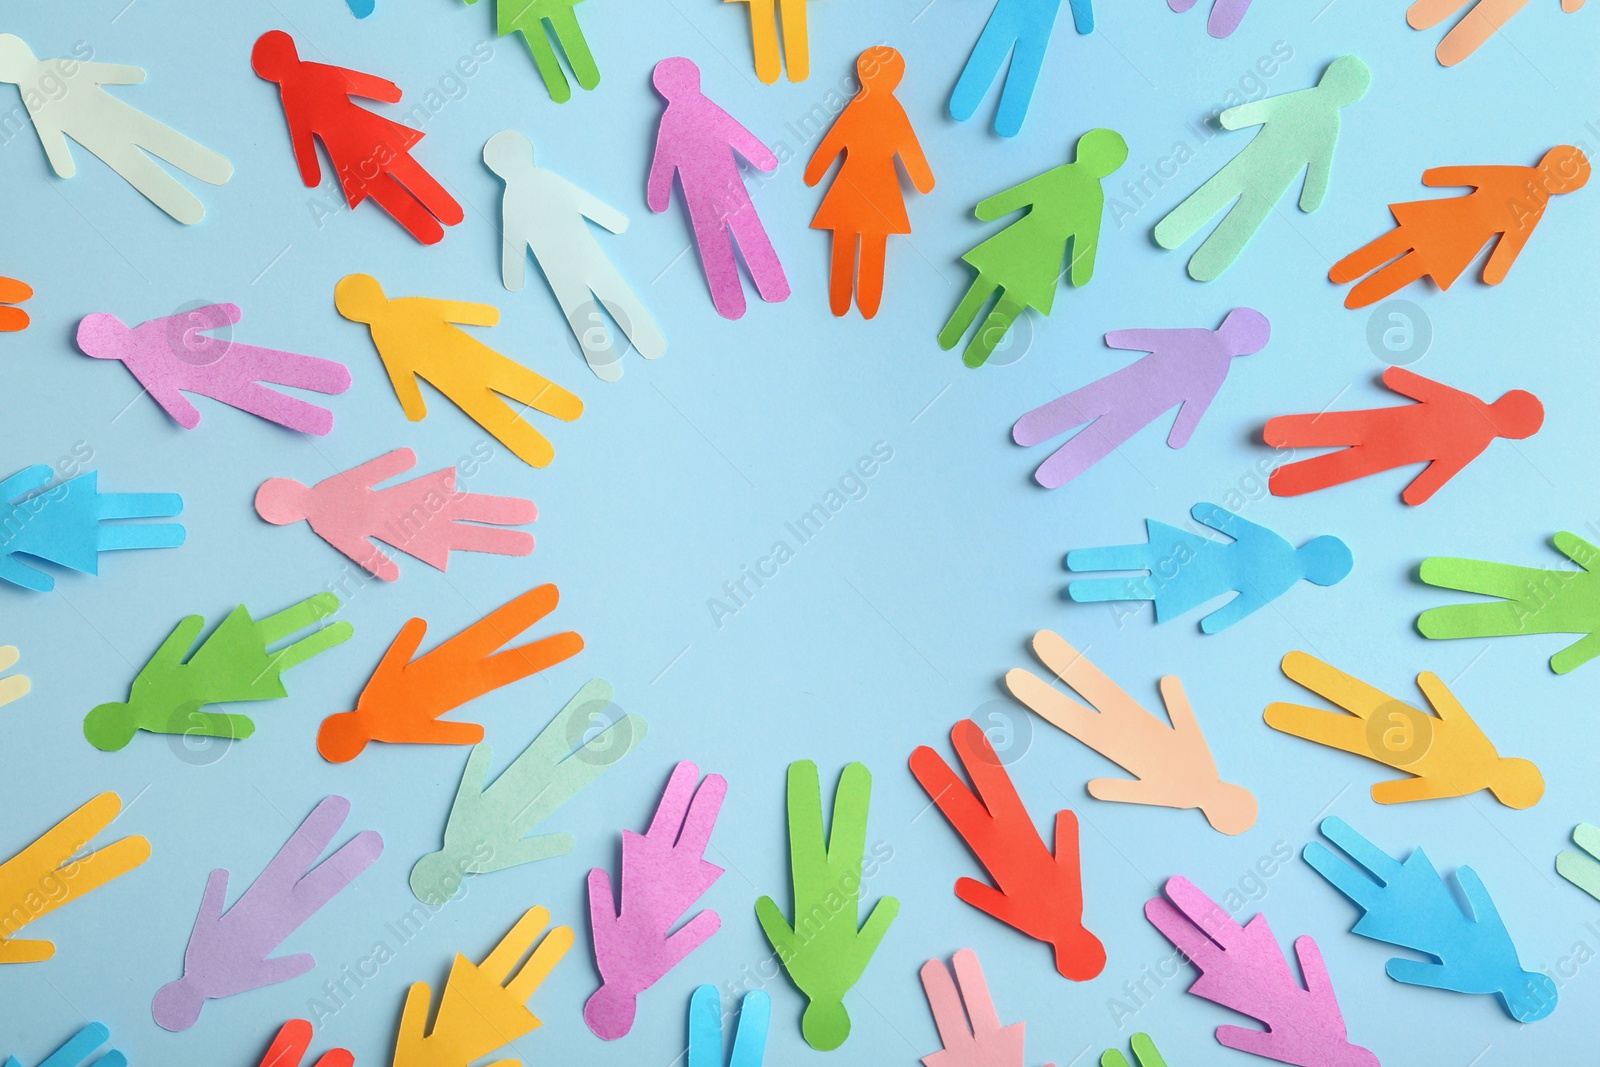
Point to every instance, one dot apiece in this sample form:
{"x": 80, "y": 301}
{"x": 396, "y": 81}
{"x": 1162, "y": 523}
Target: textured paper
{"x": 664, "y": 871}
{"x": 528, "y": 19}
{"x": 14, "y": 686}
{"x": 12, "y": 291}
{"x": 969, "y": 1027}
{"x": 1144, "y": 1050}
{"x": 1481, "y": 21}
{"x": 289, "y": 1048}
{"x": 1225, "y": 18}
{"x": 764, "y": 18}
{"x": 80, "y": 1047}
{"x": 750, "y": 1031}
{"x": 70, "y": 523}
{"x": 1020, "y": 30}
{"x": 700, "y": 143}
{"x": 1037, "y": 892}
{"x": 1582, "y": 868}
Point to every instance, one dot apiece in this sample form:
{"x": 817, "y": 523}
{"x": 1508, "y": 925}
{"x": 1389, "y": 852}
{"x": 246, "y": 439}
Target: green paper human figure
{"x": 528, "y": 18}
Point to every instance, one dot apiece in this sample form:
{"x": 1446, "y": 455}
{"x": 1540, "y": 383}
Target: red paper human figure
{"x": 1446, "y": 429}
{"x": 289, "y": 1049}
{"x": 371, "y": 154}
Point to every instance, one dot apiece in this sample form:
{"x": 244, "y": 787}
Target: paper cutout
{"x": 490, "y": 823}
{"x": 403, "y": 700}
{"x": 370, "y": 154}
{"x": 174, "y": 355}
{"x": 1446, "y": 429}
{"x": 1144, "y": 1050}
{"x": 1484, "y": 19}
{"x": 1187, "y": 569}
{"x": 528, "y": 19}
{"x": 426, "y": 517}
{"x": 982, "y": 1042}
{"x": 476, "y": 1013}
{"x": 1225, "y": 18}
{"x": 1172, "y": 766}
{"x": 79, "y": 1048}
{"x": 232, "y": 664}
{"x": 1299, "y": 131}
{"x": 1024, "y": 260}
{"x": 52, "y": 872}
{"x": 419, "y": 337}
{"x": 70, "y": 523}
{"x": 1241, "y": 968}
{"x": 1440, "y": 238}
{"x": 1019, "y": 29}
{"x": 545, "y": 213}
{"x": 1582, "y": 869}
{"x": 228, "y": 952}
{"x": 825, "y": 872}
{"x": 14, "y": 686}
{"x": 13, "y": 319}
{"x": 361, "y": 8}
{"x": 699, "y": 143}
{"x": 289, "y": 1048}
{"x": 1409, "y": 905}
{"x": 1037, "y": 892}
{"x": 1531, "y": 601}
{"x": 664, "y": 871}
{"x": 864, "y": 203}
{"x": 750, "y": 1032}
{"x": 1445, "y": 751}
{"x": 764, "y": 39}
{"x": 1185, "y": 369}
{"x": 66, "y": 99}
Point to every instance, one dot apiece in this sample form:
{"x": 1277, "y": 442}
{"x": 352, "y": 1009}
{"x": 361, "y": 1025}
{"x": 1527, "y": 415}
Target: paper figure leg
{"x": 869, "y": 282}
{"x": 509, "y": 428}
{"x": 764, "y": 40}
{"x": 565, "y": 24}
{"x": 759, "y": 255}
{"x": 589, "y": 328}
{"x": 406, "y": 209}
{"x": 1348, "y": 733}
{"x": 630, "y": 315}
{"x": 1218, "y": 251}
{"x": 1370, "y": 256}
{"x": 188, "y": 155}
{"x": 157, "y": 186}
{"x": 992, "y": 332}
{"x": 297, "y": 371}
{"x": 1391, "y": 279}
{"x": 313, "y": 645}
{"x": 1180, "y": 6}
{"x": 1200, "y": 206}
{"x": 796, "y": 39}
{"x": 290, "y": 412}
{"x": 544, "y": 58}
{"x": 1111, "y": 558}
{"x": 489, "y": 539}
{"x": 966, "y": 312}
{"x": 1475, "y": 27}
{"x": 983, "y": 66}
{"x": 426, "y": 188}
{"x": 1089, "y": 446}
{"x": 113, "y": 538}
{"x": 1226, "y": 16}
{"x": 1320, "y": 472}
{"x": 721, "y": 268}
{"x": 1026, "y": 62}
{"x": 842, "y": 273}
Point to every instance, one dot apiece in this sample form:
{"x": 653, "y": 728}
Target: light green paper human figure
{"x": 528, "y": 18}
{"x": 1144, "y": 1050}
{"x": 1299, "y": 131}
{"x": 1582, "y": 868}
{"x": 825, "y": 959}
{"x": 1024, "y": 261}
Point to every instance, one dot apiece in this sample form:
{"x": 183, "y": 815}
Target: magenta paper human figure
{"x": 1184, "y": 367}
{"x": 696, "y": 142}
{"x": 426, "y": 517}
{"x": 1225, "y": 14}
{"x": 228, "y": 951}
{"x": 1242, "y": 968}
{"x": 177, "y": 354}
{"x": 664, "y": 871}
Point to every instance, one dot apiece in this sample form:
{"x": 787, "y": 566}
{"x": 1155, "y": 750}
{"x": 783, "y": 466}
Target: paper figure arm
{"x": 1015, "y": 198}
{"x": 370, "y": 86}
{"x": 1513, "y": 239}
{"x": 663, "y": 166}
{"x": 1138, "y": 340}
{"x": 914, "y": 159}
{"x": 1253, "y": 113}
{"x": 1577, "y": 550}
{"x": 1245, "y": 603}
{"x": 381, "y": 469}
{"x": 304, "y": 144}
{"x": 595, "y": 209}
{"x": 113, "y": 73}
{"x": 1319, "y": 172}
{"x": 748, "y": 145}
{"x": 827, "y": 151}
{"x": 1453, "y": 177}
{"x": 56, "y": 149}
{"x": 465, "y": 312}
{"x": 1225, "y": 521}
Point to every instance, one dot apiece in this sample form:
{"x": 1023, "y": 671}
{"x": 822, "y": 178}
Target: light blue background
{"x": 899, "y": 619}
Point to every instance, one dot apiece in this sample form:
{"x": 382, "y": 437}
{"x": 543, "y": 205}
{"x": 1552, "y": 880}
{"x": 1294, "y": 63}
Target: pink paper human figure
{"x": 179, "y": 354}
{"x": 1184, "y": 367}
{"x": 696, "y": 142}
{"x": 426, "y": 517}
{"x": 964, "y": 1012}
{"x": 664, "y": 871}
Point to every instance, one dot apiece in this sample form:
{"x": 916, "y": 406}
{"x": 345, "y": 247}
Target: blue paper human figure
{"x": 1021, "y": 29}
{"x": 68, "y": 524}
{"x": 361, "y": 8}
{"x": 77, "y": 1051}
{"x": 705, "y": 1029}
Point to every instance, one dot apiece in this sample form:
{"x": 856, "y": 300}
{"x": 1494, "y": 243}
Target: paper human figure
{"x": 13, "y": 319}
{"x": 403, "y": 700}
{"x": 1225, "y": 18}
{"x": 1187, "y": 569}
{"x": 234, "y": 663}
{"x": 1445, "y": 429}
{"x": 53, "y": 871}
{"x": 796, "y": 55}
{"x": 1172, "y": 766}
{"x": 1185, "y": 369}
{"x": 179, "y": 354}
{"x": 1144, "y": 1050}
{"x": 544, "y": 213}
{"x": 750, "y": 1030}
{"x": 230, "y": 951}
{"x": 484, "y": 1005}
{"x": 1019, "y": 29}
{"x": 66, "y": 100}
{"x": 1298, "y": 133}
{"x": 1036, "y": 891}
{"x": 865, "y": 203}
{"x": 699, "y": 143}
{"x": 825, "y": 872}
{"x": 1410, "y": 906}
{"x": 490, "y": 823}
{"x": 1023, "y": 262}
{"x": 1530, "y": 600}
{"x": 528, "y": 19}
{"x": 1445, "y": 752}
{"x": 289, "y": 1048}
{"x": 1440, "y": 238}
{"x": 70, "y": 523}
{"x": 13, "y": 686}
{"x": 426, "y": 517}
{"x": 964, "y": 1013}
{"x": 664, "y": 871}
{"x": 80, "y": 1048}
{"x": 361, "y": 8}
{"x": 370, "y": 154}
{"x": 1242, "y": 969}
{"x": 1582, "y": 868}
{"x": 1483, "y": 19}
{"x": 418, "y": 337}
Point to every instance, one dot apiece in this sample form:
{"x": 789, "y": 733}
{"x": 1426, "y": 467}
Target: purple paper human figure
{"x": 227, "y": 952}
{"x": 664, "y": 871}
{"x": 1225, "y": 14}
{"x": 426, "y": 517}
{"x": 696, "y": 142}
{"x": 1185, "y": 367}
{"x": 175, "y": 355}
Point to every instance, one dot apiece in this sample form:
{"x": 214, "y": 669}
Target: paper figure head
{"x": 100, "y": 335}
{"x": 359, "y": 297}
{"x": 274, "y": 55}
{"x": 343, "y": 737}
{"x": 825, "y": 1024}
{"x": 1516, "y": 783}
{"x": 110, "y": 727}
{"x": 1346, "y": 80}
{"x": 436, "y": 878}
{"x": 610, "y": 1011}
{"x": 1533, "y": 999}
{"x": 15, "y": 57}
{"x": 1080, "y": 955}
{"x": 1230, "y": 809}
{"x": 1563, "y": 169}
{"x": 177, "y": 1005}
{"x": 1518, "y": 414}
{"x": 881, "y": 67}
{"x": 508, "y": 152}
{"x": 282, "y": 501}
{"x": 1101, "y": 152}
{"x": 1325, "y": 560}
{"x": 1245, "y": 331}
{"x": 676, "y": 77}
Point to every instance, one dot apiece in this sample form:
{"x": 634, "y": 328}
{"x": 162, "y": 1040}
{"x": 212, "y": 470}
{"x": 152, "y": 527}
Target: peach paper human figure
{"x": 371, "y": 154}
{"x": 1185, "y": 368}
{"x": 1446, "y": 429}
{"x": 697, "y": 142}
{"x": 865, "y": 204}
{"x": 180, "y": 354}
{"x": 664, "y": 871}
{"x": 1483, "y": 19}
{"x": 1440, "y": 238}
{"x": 66, "y": 100}
{"x": 1225, "y": 14}
{"x": 796, "y": 54}
{"x": 426, "y": 517}
{"x": 12, "y": 291}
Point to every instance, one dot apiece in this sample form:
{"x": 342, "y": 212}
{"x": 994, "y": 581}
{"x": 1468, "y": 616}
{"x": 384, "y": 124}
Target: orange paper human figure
{"x": 1440, "y": 238}
{"x": 796, "y": 55}
{"x": 1482, "y": 21}
{"x": 12, "y": 291}
{"x": 405, "y": 697}
{"x": 865, "y": 203}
